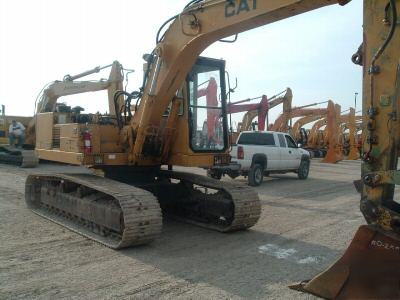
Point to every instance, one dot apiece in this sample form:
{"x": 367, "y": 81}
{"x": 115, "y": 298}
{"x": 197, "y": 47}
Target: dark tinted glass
{"x": 290, "y": 142}
{"x": 257, "y": 138}
{"x": 281, "y": 141}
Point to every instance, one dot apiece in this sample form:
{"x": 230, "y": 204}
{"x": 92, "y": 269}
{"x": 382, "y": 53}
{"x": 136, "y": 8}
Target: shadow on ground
{"x": 243, "y": 263}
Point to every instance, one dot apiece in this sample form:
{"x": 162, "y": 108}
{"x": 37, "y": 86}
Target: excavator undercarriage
{"x": 122, "y": 214}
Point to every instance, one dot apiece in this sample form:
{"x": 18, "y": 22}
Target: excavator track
{"x": 17, "y": 157}
{"x": 114, "y": 214}
{"x": 228, "y": 207}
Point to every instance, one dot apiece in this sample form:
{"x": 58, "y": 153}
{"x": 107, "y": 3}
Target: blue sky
{"x": 49, "y": 38}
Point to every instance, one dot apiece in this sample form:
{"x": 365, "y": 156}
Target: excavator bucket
{"x": 369, "y": 269}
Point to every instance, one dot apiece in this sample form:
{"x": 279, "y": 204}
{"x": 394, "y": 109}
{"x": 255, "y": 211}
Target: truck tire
{"x": 256, "y": 175}
{"x": 304, "y": 169}
{"x": 213, "y": 174}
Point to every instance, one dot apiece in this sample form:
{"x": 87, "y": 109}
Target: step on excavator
{"x": 123, "y": 208}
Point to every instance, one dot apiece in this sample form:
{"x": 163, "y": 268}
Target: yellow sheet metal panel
{"x": 61, "y": 156}
{"x": 44, "y": 130}
{"x": 71, "y": 145}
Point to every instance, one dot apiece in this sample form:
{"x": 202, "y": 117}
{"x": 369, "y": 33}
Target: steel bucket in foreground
{"x": 369, "y": 269}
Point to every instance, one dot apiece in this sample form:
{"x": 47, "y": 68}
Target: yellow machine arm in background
{"x": 69, "y": 86}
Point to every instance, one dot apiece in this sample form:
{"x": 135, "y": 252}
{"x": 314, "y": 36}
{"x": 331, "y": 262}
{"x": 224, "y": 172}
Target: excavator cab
{"x": 207, "y": 106}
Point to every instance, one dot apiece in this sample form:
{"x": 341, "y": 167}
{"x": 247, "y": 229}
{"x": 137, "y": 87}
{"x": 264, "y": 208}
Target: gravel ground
{"x": 305, "y": 226}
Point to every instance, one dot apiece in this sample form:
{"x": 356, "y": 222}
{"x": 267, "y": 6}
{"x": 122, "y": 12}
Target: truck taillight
{"x": 240, "y": 152}
{"x": 87, "y": 142}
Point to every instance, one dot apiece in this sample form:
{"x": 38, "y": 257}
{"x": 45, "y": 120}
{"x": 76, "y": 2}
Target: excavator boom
{"x": 192, "y": 31}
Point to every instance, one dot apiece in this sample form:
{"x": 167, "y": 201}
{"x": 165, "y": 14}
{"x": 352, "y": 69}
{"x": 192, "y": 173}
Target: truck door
{"x": 284, "y": 151}
{"x": 294, "y": 155}
{"x": 269, "y": 146}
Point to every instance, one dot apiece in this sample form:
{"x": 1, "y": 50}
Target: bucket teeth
{"x": 369, "y": 269}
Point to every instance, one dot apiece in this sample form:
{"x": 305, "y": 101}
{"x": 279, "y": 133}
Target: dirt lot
{"x": 304, "y": 227}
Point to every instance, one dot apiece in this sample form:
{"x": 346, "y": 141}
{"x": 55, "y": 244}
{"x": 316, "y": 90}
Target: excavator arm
{"x": 263, "y": 111}
{"x": 281, "y": 123}
{"x": 370, "y": 267}
{"x": 71, "y": 87}
{"x": 192, "y": 31}
{"x": 296, "y": 134}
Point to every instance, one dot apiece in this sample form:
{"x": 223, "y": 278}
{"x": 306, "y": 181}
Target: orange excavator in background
{"x": 252, "y": 110}
{"x": 123, "y": 208}
{"x": 261, "y": 110}
{"x": 317, "y": 138}
{"x": 299, "y": 133}
{"x": 333, "y": 151}
{"x": 284, "y": 121}
{"x": 284, "y": 98}
{"x": 348, "y": 132}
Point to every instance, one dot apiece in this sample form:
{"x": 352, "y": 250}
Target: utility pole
{"x": 355, "y": 100}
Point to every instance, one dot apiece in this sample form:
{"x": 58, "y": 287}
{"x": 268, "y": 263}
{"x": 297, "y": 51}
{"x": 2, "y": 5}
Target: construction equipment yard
{"x": 304, "y": 227}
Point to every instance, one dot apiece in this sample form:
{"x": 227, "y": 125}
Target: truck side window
{"x": 257, "y": 138}
{"x": 290, "y": 142}
{"x": 282, "y": 142}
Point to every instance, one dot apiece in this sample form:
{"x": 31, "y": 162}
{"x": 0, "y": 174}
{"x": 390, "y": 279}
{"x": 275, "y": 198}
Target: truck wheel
{"x": 304, "y": 169}
{"x": 213, "y": 174}
{"x": 256, "y": 175}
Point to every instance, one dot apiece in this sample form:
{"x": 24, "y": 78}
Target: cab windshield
{"x": 207, "y": 117}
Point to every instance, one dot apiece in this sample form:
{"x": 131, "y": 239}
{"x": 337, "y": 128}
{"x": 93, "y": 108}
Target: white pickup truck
{"x": 260, "y": 153}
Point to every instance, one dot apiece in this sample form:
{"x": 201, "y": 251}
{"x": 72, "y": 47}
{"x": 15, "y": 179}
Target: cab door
{"x": 293, "y": 152}
{"x": 284, "y": 153}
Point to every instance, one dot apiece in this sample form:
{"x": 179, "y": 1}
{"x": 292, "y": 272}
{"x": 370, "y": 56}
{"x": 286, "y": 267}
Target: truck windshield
{"x": 207, "y": 117}
{"x": 257, "y": 138}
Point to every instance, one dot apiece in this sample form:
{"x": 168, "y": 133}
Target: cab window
{"x": 282, "y": 142}
{"x": 207, "y": 117}
{"x": 290, "y": 142}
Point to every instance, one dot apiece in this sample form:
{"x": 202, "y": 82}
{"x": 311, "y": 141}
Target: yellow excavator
{"x": 297, "y": 129}
{"x": 50, "y": 94}
{"x": 284, "y": 98}
{"x": 24, "y": 156}
{"x": 284, "y": 121}
{"x": 347, "y": 135}
{"x": 333, "y": 152}
{"x": 123, "y": 208}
